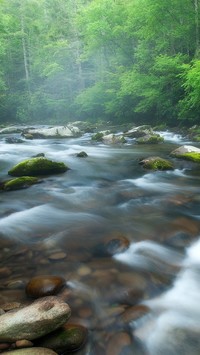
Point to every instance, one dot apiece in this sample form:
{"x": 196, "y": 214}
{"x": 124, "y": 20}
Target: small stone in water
{"x": 5, "y": 271}
{"x": 84, "y": 270}
{"x": 134, "y": 312}
{"x": 57, "y": 256}
{"x": 16, "y": 284}
{"x": 117, "y": 343}
{"x": 4, "y": 346}
{"x": 23, "y": 343}
{"x": 44, "y": 285}
{"x": 116, "y": 245}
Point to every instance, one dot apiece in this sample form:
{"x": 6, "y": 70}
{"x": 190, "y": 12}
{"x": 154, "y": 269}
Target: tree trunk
{"x": 24, "y": 48}
{"x": 196, "y": 10}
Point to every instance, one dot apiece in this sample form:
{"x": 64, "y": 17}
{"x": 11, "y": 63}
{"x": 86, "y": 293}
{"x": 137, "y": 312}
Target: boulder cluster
{"x": 42, "y": 326}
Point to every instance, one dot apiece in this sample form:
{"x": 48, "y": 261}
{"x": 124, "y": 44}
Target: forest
{"x": 108, "y": 60}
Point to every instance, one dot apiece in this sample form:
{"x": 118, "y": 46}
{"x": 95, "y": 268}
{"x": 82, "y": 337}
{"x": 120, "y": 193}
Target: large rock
{"x": 40, "y": 318}
{"x": 31, "y": 351}
{"x": 150, "y": 139}
{"x": 187, "y": 152}
{"x": 36, "y": 167}
{"x": 139, "y": 131}
{"x": 113, "y": 139}
{"x": 54, "y": 132}
{"x": 156, "y": 163}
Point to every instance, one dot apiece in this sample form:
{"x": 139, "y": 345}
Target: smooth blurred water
{"x": 109, "y": 195}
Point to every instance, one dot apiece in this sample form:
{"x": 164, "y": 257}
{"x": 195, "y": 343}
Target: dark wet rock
{"x": 133, "y": 313}
{"x": 23, "y": 344}
{"x": 5, "y": 272}
{"x": 36, "y": 320}
{"x": 70, "y": 337}
{"x": 27, "y": 135}
{"x": 44, "y": 285}
{"x": 36, "y": 167}
{"x": 31, "y": 351}
{"x": 116, "y": 245}
{"x": 117, "y": 343}
{"x": 124, "y": 343}
{"x": 112, "y": 246}
{"x": 4, "y": 346}
{"x": 19, "y": 183}
{"x": 39, "y": 155}
{"x": 14, "y": 140}
{"x": 16, "y": 284}
{"x": 82, "y": 154}
{"x": 187, "y": 152}
{"x": 156, "y": 163}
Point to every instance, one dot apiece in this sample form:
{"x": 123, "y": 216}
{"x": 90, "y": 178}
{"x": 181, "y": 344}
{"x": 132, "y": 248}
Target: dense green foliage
{"x": 130, "y": 60}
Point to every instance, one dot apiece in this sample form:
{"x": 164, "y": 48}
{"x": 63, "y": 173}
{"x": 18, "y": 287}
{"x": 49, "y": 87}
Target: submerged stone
{"x": 44, "y": 285}
{"x": 37, "y": 166}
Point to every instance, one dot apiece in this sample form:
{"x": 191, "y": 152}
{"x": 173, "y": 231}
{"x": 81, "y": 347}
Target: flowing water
{"x": 77, "y": 225}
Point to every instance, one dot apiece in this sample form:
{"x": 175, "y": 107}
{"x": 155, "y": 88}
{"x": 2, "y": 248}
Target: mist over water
{"x": 107, "y": 196}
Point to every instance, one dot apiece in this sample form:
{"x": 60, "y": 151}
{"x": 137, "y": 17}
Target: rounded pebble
{"x": 44, "y": 285}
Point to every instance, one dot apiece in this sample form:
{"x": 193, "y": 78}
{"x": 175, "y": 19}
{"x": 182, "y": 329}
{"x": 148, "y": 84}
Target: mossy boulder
{"x": 98, "y": 137}
{"x": 36, "y": 167}
{"x": 150, "y": 139}
{"x": 156, "y": 163}
{"x": 68, "y": 338}
{"x": 140, "y": 131}
{"x": 187, "y": 152}
{"x": 19, "y": 183}
{"x": 114, "y": 139}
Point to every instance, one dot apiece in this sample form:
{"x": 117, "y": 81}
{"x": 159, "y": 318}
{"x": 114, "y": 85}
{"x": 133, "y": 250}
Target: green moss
{"x": 153, "y": 139}
{"x": 157, "y": 164}
{"x": 193, "y": 156}
{"x": 196, "y": 138}
{"x": 97, "y": 137}
{"x": 37, "y": 166}
{"x": 19, "y": 183}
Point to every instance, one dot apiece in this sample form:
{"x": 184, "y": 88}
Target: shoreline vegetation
{"x": 100, "y": 60}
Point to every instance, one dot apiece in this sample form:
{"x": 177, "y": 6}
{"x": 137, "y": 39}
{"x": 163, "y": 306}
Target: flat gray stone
{"x": 41, "y": 317}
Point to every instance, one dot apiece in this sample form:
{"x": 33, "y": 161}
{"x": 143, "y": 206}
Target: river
{"x": 67, "y": 225}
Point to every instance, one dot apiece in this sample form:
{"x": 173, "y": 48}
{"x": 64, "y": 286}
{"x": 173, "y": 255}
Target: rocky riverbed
{"x": 102, "y": 257}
